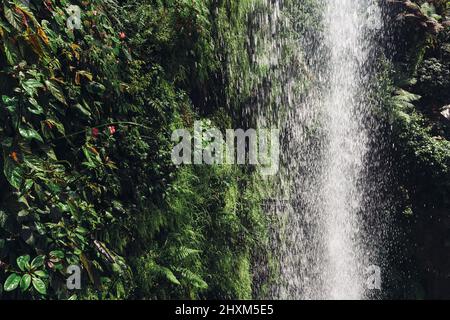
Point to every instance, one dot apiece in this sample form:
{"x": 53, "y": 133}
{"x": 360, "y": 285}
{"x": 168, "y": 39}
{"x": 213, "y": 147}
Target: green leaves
{"x": 69, "y": 194}
{"x": 31, "y": 274}
{"x": 29, "y": 133}
{"x": 45, "y": 68}
{"x": 23, "y": 262}
{"x": 10, "y": 52}
{"x": 56, "y": 90}
{"x": 31, "y": 86}
{"x": 429, "y": 10}
{"x": 10, "y": 103}
{"x": 12, "y": 282}
{"x": 40, "y": 274}
{"x": 12, "y": 171}
{"x": 92, "y": 157}
{"x": 58, "y": 254}
{"x": 12, "y": 17}
{"x": 39, "y": 285}
{"x": 25, "y": 282}
{"x": 34, "y": 106}
{"x": 37, "y": 262}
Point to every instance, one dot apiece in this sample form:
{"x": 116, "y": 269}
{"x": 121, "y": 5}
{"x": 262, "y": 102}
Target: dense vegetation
{"x": 87, "y": 178}
{"x": 418, "y": 90}
{"x": 87, "y": 116}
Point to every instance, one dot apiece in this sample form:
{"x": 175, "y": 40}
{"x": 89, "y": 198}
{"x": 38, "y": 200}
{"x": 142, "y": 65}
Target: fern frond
{"x": 193, "y": 278}
{"x": 405, "y": 99}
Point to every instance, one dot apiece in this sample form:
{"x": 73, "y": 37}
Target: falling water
{"x": 346, "y": 144}
{"x": 324, "y": 105}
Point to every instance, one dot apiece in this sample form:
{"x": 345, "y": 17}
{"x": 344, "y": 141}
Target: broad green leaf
{"x": 34, "y": 163}
{"x": 35, "y": 107}
{"x": 81, "y": 230}
{"x": 28, "y": 184}
{"x": 83, "y": 110}
{"x": 37, "y": 262}
{"x": 12, "y": 282}
{"x": 25, "y": 282}
{"x": 31, "y": 86}
{"x": 30, "y": 134}
{"x": 39, "y": 285}
{"x": 53, "y": 123}
{"x": 41, "y": 274}
{"x": 23, "y": 262}
{"x": 12, "y": 17}
{"x": 25, "y": 9}
{"x": 21, "y": 214}
{"x": 10, "y": 52}
{"x": 55, "y": 90}
{"x": 57, "y": 254}
{"x": 13, "y": 172}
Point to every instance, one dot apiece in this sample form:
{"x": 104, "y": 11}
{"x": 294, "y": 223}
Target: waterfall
{"x": 326, "y": 237}
{"x": 346, "y": 142}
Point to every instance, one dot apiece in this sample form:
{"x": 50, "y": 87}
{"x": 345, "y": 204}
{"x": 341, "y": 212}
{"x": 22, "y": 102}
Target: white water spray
{"x": 322, "y": 245}
{"x": 346, "y": 145}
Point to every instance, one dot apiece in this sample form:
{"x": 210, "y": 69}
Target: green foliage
{"x": 213, "y": 232}
{"x": 174, "y": 34}
{"x": 87, "y": 116}
{"x": 423, "y": 149}
{"x": 27, "y": 274}
{"x": 415, "y": 87}
{"x": 198, "y": 227}
{"x": 425, "y": 155}
{"x": 434, "y": 79}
